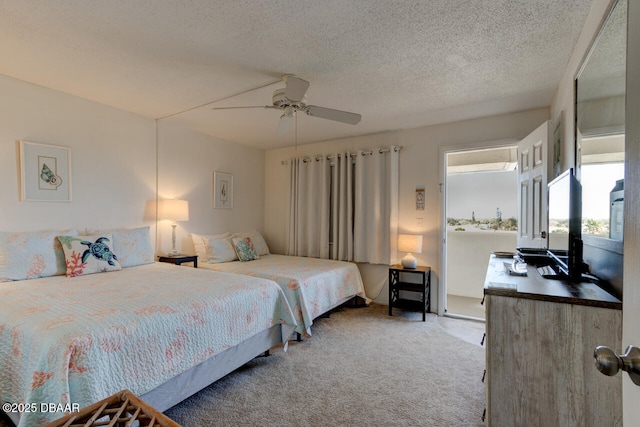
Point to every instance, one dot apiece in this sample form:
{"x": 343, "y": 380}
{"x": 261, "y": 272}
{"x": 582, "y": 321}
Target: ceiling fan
{"x": 292, "y": 99}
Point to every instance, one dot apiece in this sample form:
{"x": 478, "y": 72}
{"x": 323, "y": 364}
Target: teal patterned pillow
{"x": 257, "y": 239}
{"x": 245, "y": 249}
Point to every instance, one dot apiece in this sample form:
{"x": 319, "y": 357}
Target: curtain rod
{"x": 330, "y": 157}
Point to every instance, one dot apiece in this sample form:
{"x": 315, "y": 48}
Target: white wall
{"x": 466, "y": 273}
{"x": 112, "y": 160}
{"x": 419, "y": 166}
{"x": 186, "y": 162}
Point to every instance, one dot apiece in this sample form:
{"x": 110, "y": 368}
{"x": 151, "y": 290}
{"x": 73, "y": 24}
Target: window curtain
{"x": 342, "y": 201}
{"x": 309, "y": 207}
{"x": 345, "y": 206}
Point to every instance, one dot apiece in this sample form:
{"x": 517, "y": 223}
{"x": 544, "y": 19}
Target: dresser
{"x": 541, "y": 334}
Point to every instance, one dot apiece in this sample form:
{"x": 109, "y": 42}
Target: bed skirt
{"x": 200, "y": 376}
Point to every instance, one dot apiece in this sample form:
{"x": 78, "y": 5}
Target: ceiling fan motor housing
{"x": 282, "y": 102}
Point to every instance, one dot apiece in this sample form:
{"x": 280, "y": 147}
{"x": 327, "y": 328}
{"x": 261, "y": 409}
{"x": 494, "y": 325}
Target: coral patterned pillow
{"x": 89, "y": 254}
{"x": 31, "y": 254}
{"x": 245, "y": 249}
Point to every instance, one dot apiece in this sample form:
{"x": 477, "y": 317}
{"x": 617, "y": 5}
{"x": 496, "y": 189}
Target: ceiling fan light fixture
{"x": 284, "y": 124}
{"x": 289, "y": 111}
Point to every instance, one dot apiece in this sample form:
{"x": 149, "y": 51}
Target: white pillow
{"x": 29, "y": 255}
{"x": 132, "y": 245}
{"x": 257, "y": 239}
{"x": 213, "y": 248}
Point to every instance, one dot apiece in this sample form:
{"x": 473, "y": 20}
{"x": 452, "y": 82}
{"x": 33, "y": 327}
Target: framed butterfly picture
{"x": 45, "y": 172}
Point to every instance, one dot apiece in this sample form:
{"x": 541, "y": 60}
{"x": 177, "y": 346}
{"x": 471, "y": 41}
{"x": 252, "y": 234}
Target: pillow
{"x": 30, "y": 255}
{"x": 257, "y": 239}
{"x": 89, "y": 254}
{"x": 245, "y": 249}
{"x": 198, "y": 245}
{"x": 133, "y": 245}
{"x": 214, "y": 248}
{"x": 219, "y": 250}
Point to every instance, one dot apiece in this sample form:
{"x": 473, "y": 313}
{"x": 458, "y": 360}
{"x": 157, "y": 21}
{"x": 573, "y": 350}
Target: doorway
{"x": 480, "y": 217}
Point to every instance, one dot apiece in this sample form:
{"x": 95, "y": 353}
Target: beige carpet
{"x": 360, "y": 368}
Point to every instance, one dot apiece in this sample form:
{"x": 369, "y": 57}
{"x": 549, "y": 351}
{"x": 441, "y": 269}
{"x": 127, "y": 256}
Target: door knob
{"x": 609, "y": 363}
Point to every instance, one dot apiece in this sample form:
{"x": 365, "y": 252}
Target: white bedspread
{"x": 313, "y": 286}
{"x": 79, "y": 340}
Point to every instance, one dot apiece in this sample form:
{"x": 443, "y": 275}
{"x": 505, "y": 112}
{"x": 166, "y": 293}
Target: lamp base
{"x": 409, "y": 261}
{"x": 174, "y": 253}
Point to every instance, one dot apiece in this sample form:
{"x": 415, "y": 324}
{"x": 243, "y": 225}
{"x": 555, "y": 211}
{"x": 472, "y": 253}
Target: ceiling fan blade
{"x": 235, "y": 108}
{"x": 331, "y": 114}
{"x": 296, "y": 88}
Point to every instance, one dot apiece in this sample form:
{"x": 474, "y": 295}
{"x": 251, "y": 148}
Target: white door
{"x": 532, "y": 189}
{"x": 631, "y": 279}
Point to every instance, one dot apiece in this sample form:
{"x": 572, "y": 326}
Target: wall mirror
{"x": 600, "y": 115}
{"x": 600, "y": 141}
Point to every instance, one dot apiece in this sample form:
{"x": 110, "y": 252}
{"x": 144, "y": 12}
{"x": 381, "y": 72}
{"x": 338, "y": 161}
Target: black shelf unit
{"x": 423, "y": 288}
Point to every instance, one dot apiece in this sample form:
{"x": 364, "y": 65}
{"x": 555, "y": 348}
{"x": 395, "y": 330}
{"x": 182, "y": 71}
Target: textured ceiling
{"x": 401, "y": 64}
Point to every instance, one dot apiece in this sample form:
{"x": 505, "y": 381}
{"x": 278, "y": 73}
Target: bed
{"x": 162, "y": 331}
{"x": 312, "y": 286}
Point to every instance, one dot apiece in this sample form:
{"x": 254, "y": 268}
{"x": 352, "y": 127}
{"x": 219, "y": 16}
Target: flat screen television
{"x": 565, "y": 224}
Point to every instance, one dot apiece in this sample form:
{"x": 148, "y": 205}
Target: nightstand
{"x": 179, "y": 259}
{"x": 423, "y": 287}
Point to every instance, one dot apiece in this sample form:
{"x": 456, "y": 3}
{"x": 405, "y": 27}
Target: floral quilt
{"x": 313, "y": 286}
{"x": 78, "y": 340}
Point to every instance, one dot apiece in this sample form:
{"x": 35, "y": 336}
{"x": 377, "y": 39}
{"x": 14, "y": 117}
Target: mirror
{"x": 600, "y": 116}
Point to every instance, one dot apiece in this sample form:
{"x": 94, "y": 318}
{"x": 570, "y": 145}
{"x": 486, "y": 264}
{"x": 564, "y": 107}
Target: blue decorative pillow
{"x": 245, "y": 249}
{"x": 89, "y": 254}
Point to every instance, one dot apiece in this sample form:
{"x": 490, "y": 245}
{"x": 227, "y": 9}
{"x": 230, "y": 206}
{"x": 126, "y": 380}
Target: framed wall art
{"x": 45, "y": 172}
{"x": 557, "y": 145}
{"x": 222, "y": 190}
{"x": 420, "y": 198}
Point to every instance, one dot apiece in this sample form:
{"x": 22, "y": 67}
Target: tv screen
{"x": 565, "y": 222}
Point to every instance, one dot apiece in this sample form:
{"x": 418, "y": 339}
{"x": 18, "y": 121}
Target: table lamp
{"x": 174, "y": 210}
{"x": 410, "y": 243}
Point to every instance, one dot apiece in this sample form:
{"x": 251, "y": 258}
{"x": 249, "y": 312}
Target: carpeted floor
{"x": 360, "y": 368}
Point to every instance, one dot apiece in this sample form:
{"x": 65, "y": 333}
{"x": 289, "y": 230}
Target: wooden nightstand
{"x": 179, "y": 259}
{"x": 424, "y": 288}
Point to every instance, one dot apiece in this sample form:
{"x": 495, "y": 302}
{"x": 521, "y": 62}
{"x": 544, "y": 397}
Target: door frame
{"x": 444, "y": 150}
{"x": 631, "y": 268}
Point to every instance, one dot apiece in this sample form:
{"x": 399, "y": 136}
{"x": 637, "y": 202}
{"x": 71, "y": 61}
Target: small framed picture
{"x": 419, "y": 199}
{"x": 222, "y": 190}
{"x": 557, "y": 145}
{"x": 45, "y": 172}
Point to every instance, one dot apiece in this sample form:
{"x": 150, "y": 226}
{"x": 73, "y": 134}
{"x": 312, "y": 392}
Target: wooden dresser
{"x": 541, "y": 335}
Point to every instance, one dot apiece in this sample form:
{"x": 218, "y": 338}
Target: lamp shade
{"x": 173, "y": 209}
{"x": 411, "y": 243}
